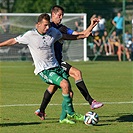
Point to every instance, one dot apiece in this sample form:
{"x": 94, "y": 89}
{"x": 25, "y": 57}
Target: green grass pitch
{"x": 21, "y": 93}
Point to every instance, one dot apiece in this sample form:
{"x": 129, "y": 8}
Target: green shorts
{"x": 54, "y": 75}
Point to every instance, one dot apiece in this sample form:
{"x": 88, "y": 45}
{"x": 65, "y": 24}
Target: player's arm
{"x": 79, "y": 35}
{"x": 86, "y": 32}
{"x": 9, "y": 42}
{"x": 73, "y": 37}
{"x": 82, "y": 35}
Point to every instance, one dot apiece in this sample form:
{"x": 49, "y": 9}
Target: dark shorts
{"x": 118, "y": 32}
{"x": 66, "y": 67}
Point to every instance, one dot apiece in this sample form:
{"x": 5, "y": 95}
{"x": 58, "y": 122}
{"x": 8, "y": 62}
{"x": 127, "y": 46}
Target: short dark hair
{"x": 43, "y": 16}
{"x": 56, "y": 8}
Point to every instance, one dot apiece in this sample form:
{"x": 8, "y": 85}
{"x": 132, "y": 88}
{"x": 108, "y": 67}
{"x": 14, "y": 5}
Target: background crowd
{"x": 112, "y": 43}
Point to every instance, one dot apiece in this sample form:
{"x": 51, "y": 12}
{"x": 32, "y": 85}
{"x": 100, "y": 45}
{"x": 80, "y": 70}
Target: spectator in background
{"x": 79, "y": 24}
{"x": 101, "y": 25}
{"x": 96, "y": 28}
{"x": 5, "y": 24}
{"x": 127, "y": 37}
{"x": 118, "y": 23}
{"x": 2, "y": 28}
{"x": 128, "y": 49}
{"x": 107, "y": 46}
{"x": 97, "y": 44}
{"x": 115, "y": 44}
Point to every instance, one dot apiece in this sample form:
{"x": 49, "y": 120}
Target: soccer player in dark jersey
{"x": 57, "y": 13}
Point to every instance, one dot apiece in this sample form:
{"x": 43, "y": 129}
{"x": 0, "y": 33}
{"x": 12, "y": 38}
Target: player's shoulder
{"x": 53, "y": 29}
{"x": 57, "y": 26}
{"x": 30, "y": 31}
{"x": 54, "y": 32}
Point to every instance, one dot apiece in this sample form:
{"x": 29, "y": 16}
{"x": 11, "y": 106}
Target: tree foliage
{"x": 70, "y": 6}
{"x": 33, "y": 6}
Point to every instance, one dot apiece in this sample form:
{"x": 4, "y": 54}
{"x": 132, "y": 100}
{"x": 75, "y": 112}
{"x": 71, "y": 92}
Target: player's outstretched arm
{"x": 87, "y": 32}
{"x": 84, "y": 34}
{"x": 9, "y": 42}
{"x": 94, "y": 22}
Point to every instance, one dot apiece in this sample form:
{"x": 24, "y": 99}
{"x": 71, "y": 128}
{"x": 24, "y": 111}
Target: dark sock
{"x": 46, "y": 99}
{"x": 82, "y": 87}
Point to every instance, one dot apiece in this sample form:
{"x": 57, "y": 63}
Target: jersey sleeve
{"x": 69, "y": 31}
{"x": 64, "y": 29}
{"x": 23, "y": 39}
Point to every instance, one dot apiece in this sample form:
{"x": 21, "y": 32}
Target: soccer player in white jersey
{"x": 41, "y": 44}
{"x": 57, "y": 13}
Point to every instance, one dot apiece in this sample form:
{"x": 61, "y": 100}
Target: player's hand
{"x": 94, "y": 22}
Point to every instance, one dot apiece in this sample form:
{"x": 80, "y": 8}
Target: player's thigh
{"x": 66, "y": 66}
{"x": 75, "y": 73}
{"x": 72, "y": 71}
{"x": 51, "y": 77}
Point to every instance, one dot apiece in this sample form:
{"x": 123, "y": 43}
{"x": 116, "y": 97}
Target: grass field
{"x": 108, "y": 82}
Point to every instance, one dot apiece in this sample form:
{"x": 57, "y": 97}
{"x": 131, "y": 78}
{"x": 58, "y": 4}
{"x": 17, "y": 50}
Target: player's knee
{"x": 77, "y": 74}
{"x": 65, "y": 86}
{"x": 52, "y": 89}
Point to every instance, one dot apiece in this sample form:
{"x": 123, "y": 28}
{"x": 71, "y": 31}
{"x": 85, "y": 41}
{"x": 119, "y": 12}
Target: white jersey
{"x": 96, "y": 28}
{"x": 101, "y": 24}
{"x": 41, "y": 47}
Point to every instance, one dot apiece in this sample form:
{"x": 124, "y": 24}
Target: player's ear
{"x": 53, "y": 13}
{"x": 38, "y": 23}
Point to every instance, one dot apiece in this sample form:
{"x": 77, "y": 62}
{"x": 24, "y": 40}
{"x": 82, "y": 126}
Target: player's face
{"x": 43, "y": 26}
{"x": 57, "y": 17}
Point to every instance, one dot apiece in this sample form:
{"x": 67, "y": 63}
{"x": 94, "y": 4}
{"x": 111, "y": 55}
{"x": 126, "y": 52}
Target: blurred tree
{"x": 6, "y": 5}
{"x": 33, "y": 6}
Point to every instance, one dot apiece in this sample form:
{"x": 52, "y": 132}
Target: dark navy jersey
{"x": 59, "y": 44}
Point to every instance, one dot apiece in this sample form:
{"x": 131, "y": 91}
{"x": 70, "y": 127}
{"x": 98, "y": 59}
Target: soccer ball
{"x": 91, "y": 118}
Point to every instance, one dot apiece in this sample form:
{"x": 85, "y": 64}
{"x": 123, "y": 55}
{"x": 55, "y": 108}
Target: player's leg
{"x": 70, "y": 110}
{"x": 45, "y": 101}
{"x": 67, "y": 99}
{"x": 77, "y": 75}
{"x": 51, "y": 76}
{"x": 47, "y": 97}
{"x": 67, "y": 106}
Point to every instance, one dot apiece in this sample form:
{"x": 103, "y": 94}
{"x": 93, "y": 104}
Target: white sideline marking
{"x": 18, "y": 105}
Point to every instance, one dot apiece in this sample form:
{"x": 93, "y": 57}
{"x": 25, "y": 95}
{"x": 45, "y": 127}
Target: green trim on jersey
{"x": 54, "y": 75}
